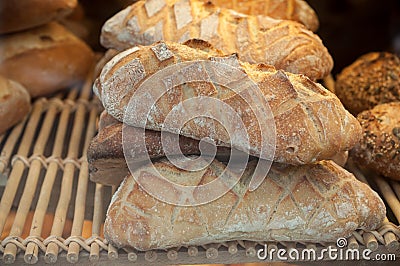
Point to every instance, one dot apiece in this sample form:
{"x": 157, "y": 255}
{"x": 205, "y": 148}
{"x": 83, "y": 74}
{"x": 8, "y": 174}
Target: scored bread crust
{"x": 297, "y": 10}
{"x": 15, "y": 103}
{"x": 379, "y": 149}
{"x": 45, "y": 59}
{"x": 285, "y": 44}
{"x": 312, "y": 203}
{"x": 311, "y": 123}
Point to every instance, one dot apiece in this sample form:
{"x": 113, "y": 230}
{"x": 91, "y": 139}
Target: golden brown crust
{"x": 45, "y": 59}
{"x": 372, "y": 79}
{"x": 21, "y": 15}
{"x": 312, "y": 203}
{"x": 15, "y": 103}
{"x": 286, "y": 44}
{"x": 379, "y": 149}
{"x": 311, "y": 123}
{"x": 105, "y": 154}
{"x": 297, "y": 10}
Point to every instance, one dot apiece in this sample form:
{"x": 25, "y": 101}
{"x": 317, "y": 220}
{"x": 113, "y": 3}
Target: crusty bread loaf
{"x": 45, "y": 59}
{"x": 15, "y": 103}
{"x": 311, "y": 123}
{"x": 106, "y": 120}
{"x": 379, "y": 149}
{"x": 297, "y": 10}
{"x": 108, "y": 55}
{"x": 26, "y": 14}
{"x": 372, "y": 79}
{"x": 107, "y": 164}
{"x": 312, "y": 203}
{"x": 285, "y": 44}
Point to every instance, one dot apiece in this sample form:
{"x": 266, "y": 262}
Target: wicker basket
{"x": 44, "y": 177}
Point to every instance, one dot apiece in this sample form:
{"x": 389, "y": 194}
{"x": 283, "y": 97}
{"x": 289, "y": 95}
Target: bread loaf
{"x": 45, "y": 59}
{"x": 285, "y": 44}
{"x": 311, "y": 123}
{"x": 379, "y": 148}
{"x": 107, "y": 164}
{"x": 15, "y": 103}
{"x": 372, "y": 79}
{"x": 297, "y": 10}
{"x": 312, "y": 203}
{"x": 106, "y": 120}
{"x": 21, "y": 15}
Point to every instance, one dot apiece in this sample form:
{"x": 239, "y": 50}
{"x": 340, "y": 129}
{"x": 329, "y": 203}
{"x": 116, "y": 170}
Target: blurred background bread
{"x": 372, "y": 79}
{"x": 15, "y": 103}
{"x": 25, "y": 14}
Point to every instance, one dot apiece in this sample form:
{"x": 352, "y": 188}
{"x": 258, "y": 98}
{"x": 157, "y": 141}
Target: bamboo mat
{"x": 51, "y": 212}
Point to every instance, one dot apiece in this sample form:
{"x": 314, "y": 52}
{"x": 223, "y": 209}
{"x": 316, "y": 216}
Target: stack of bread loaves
{"x": 37, "y": 51}
{"x": 162, "y": 78}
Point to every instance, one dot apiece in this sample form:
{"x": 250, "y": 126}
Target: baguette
{"x": 315, "y": 203}
{"x": 15, "y": 103}
{"x": 310, "y": 122}
{"x": 297, "y": 10}
{"x": 26, "y": 14}
{"x": 285, "y": 44}
{"x": 379, "y": 149}
{"x": 45, "y": 59}
{"x": 106, "y": 159}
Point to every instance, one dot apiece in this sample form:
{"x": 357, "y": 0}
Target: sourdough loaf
{"x": 15, "y": 103}
{"x": 21, "y": 15}
{"x": 45, "y": 59}
{"x": 286, "y": 44}
{"x": 312, "y": 203}
{"x": 310, "y": 122}
{"x": 372, "y": 79}
{"x": 107, "y": 164}
{"x": 379, "y": 148}
{"x": 297, "y": 10}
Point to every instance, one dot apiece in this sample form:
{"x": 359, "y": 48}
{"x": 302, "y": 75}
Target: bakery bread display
{"x": 313, "y": 203}
{"x": 372, "y": 79}
{"x": 26, "y": 14}
{"x": 297, "y": 10}
{"x": 45, "y": 59}
{"x": 319, "y": 125}
{"x": 285, "y": 44}
{"x": 379, "y": 149}
{"x": 15, "y": 103}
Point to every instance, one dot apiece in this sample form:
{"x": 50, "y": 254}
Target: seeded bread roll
{"x": 45, "y": 59}
{"x": 25, "y": 14}
{"x": 379, "y": 149}
{"x": 312, "y": 203}
{"x": 297, "y": 10}
{"x": 15, "y": 103}
{"x": 372, "y": 79}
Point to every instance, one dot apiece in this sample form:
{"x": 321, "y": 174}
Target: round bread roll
{"x": 379, "y": 149}
{"x": 372, "y": 79}
{"x": 15, "y": 103}
{"x": 45, "y": 59}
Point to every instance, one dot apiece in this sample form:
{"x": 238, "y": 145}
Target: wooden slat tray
{"x": 51, "y": 212}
